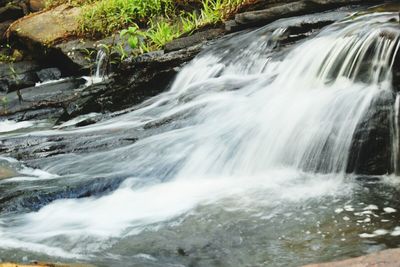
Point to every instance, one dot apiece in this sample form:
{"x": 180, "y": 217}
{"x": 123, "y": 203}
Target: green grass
{"x": 107, "y": 16}
{"x": 150, "y": 24}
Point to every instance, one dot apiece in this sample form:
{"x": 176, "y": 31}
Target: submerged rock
{"x": 6, "y": 172}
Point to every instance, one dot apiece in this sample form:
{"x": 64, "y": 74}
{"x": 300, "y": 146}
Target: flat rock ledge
{"x": 385, "y": 258}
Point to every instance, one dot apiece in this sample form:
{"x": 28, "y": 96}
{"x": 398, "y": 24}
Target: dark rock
{"x": 5, "y": 2}
{"x": 145, "y": 76}
{"x": 369, "y": 179}
{"x": 11, "y": 12}
{"x": 181, "y": 252}
{"x": 371, "y": 150}
{"x": 14, "y": 76}
{"x": 262, "y": 17}
{"x": 23, "y": 198}
{"x": 231, "y": 26}
{"x": 80, "y": 53}
{"x": 194, "y": 39}
{"x": 42, "y": 101}
{"x": 140, "y": 78}
{"x": 49, "y": 74}
{"x": 261, "y": 4}
{"x": 3, "y": 28}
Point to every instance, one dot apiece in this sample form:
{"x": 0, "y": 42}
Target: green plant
{"x": 161, "y": 33}
{"x": 88, "y": 55}
{"x": 212, "y": 11}
{"x": 106, "y": 16}
{"x": 148, "y": 25}
{"x": 132, "y": 36}
{"x": 120, "y": 50}
{"x": 189, "y": 22}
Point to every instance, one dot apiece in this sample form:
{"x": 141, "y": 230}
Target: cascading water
{"x": 250, "y": 132}
{"x": 100, "y": 68}
{"x": 101, "y": 64}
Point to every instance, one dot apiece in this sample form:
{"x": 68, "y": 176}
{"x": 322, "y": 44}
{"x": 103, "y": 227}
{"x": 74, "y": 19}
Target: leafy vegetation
{"x": 6, "y": 55}
{"x": 149, "y": 24}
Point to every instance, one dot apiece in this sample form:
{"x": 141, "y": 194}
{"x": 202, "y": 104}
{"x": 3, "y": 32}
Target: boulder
{"x": 385, "y": 258}
{"x": 47, "y": 27}
{"x": 77, "y": 53}
{"x": 40, "y": 32}
{"x": 14, "y": 76}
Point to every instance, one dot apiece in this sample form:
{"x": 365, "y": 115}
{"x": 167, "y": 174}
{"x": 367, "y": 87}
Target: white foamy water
{"x": 243, "y": 127}
{"x": 10, "y": 126}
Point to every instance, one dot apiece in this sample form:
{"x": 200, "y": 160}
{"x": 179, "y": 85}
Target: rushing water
{"x": 241, "y": 163}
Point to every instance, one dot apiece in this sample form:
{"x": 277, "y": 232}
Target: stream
{"x": 243, "y": 161}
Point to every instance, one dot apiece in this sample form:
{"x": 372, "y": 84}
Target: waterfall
{"x": 101, "y": 65}
{"x": 247, "y": 121}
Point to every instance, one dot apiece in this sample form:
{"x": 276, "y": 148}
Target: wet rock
{"x": 49, "y": 74}
{"x": 79, "y": 52}
{"x": 371, "y": 150}
{"x": 146, "y": 76}
{"x": 6, "y": 172}
{"x": 14, "y": 76}
{"x": 268, "y": 15}
{"x": 140, "y": 78}
{"x": 194, "y": 39}
{"x": 43, "y": 101}
{"x": 25, "y": 198}
{"x": 385, "y": 258}
{"x": 262, "y": 17}
{"x": 82, "y": 53}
